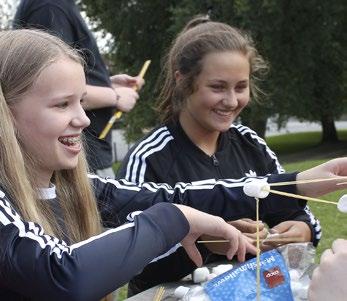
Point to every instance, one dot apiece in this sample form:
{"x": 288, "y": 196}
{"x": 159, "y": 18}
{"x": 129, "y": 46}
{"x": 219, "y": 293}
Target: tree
{"x": 311, "y": 53}
{"x": 304, "y": 41}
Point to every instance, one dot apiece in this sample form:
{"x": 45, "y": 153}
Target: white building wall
{"x": 119, "y": 145}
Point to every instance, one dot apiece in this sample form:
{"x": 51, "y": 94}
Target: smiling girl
{"x": 52, "y": 246}
{"x": 209, "y": 77}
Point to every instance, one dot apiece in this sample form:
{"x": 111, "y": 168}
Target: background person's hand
{"x": 125, "y": 87}
{"x": 203, "y": 223}
{"x": 331, "y": 169}
{"x": 329, "y": 278}
{"x": 125, "y": 80}
{"x": 126, "y": 99}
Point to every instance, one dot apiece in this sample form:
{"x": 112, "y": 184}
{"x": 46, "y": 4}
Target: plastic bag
{"x": 240, "y": 282}
{"x": 299, "y": 258}
{"x": 285, "y": 276}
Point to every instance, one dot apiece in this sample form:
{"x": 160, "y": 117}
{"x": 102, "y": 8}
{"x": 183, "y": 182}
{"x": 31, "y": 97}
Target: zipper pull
{"x": 215, "y": 160}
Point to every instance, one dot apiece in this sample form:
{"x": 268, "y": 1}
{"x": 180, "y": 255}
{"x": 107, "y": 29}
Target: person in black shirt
{"x": 105, "y": 94}
{"x": 209, "y": 77}
{"x": 52, "y": 212}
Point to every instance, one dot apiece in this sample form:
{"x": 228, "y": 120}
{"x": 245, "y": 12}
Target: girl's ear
{"x": 178, "y": 76}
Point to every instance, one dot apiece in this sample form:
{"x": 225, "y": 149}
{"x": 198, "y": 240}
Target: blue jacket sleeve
{"x": 41, "y": 267}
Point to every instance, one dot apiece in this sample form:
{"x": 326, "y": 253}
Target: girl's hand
{"x": 287, "y": 232}
{"x": 247, "y": 226}
{"x": 203, "y": 223}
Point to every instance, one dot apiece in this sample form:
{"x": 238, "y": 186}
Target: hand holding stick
{"x": 118, "y": 114}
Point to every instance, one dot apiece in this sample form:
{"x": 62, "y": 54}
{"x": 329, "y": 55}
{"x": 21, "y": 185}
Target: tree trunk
{"x": 256, "y": 118}
{"x": 259, "y": 125}
{"x": 329, "y": 133}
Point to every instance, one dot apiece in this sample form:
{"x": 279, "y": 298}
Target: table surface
{"x": 148, "y": 295}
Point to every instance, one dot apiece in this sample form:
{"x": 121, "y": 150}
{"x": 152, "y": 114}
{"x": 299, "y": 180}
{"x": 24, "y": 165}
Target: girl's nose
{"x": 231, "y": 99}
{"x": 81, "y": 120}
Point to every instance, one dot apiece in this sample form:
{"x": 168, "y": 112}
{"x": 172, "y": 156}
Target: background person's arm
{"x": 122, "y": 98}
{"x": 330, "y": 169}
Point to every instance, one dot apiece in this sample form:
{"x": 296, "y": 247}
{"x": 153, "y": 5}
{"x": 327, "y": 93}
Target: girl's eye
{"x": 62, "y": 105}
{"x": 241, "y": 88}
{"x": 217, "y": 87}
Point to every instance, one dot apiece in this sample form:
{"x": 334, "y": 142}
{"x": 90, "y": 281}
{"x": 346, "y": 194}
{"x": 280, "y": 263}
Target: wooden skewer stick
{"x": 270, "y": 239}
{"x": 258, "y": 250}
{"x": 309, "y": 181}
{"x": 118, "y": 114}
{"x": 297, "y": 196}
{"x": 159, "y": 294}
{"x": 212, "y": 241}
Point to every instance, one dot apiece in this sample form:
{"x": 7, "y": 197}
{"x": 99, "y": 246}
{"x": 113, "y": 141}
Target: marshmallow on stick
{"x": 257, "y": 188}
{"x": 342, "y": 204}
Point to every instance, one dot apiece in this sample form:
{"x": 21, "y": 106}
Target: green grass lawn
{"x": 296, "y": 142}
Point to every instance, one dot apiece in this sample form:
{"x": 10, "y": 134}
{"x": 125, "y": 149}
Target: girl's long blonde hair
{"x": 23, "y": 55}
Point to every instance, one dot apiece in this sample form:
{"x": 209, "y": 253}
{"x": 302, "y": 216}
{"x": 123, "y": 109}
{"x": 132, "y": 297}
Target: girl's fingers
{"x": 262, "y": 234}
{"x": 247, "y": 225}
{"x": 233, "y": 248}
{"x": 241, "y": 252}
{"x": 339, "y": 245}
{"x": 193, "y": 253}
{"x": 250, "y": 248}
{"x": 325, "y": 255}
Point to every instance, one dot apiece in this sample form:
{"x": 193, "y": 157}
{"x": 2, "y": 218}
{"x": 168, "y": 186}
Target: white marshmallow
{"x": 181, "y": 291}
{"x": 257, "y": 188}
{"x": 296, "y": 288}
{"x": 294, "y": 275}
{"x": 200, "y": 275}
{"x": 222, "y": 268}
{"x": 302, "y": 292}
{"x": 197, "y": 294}
{"x": 342, "y": 204}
